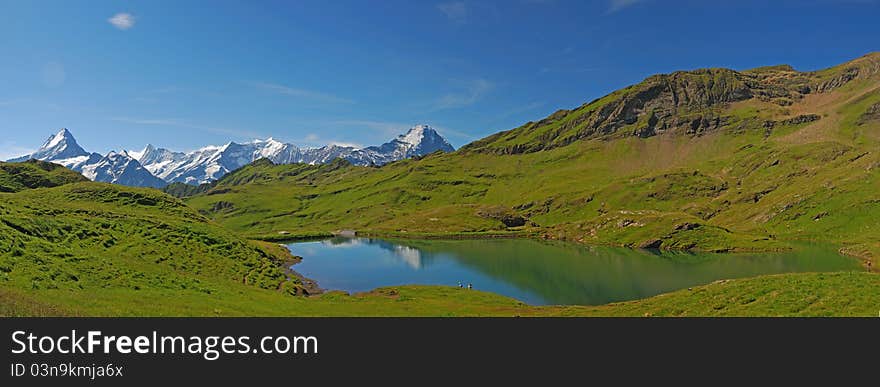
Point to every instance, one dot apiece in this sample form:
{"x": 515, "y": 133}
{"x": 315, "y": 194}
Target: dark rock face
{"x": 502, "y": 215}
{"x": 870, "y": 115}
{"x": 222, "y": 206}
{"x": 651, "y": 244}
{"x": 687, "y": 226}
{"x": 513, "y": 221}
{"x": 864, "y": 67}
{"x": 801, "y": 119}
{"x": 838, "y": 81}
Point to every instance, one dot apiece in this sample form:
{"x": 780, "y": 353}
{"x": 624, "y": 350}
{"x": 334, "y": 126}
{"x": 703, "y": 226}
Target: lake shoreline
{"x": 310, "y": 286}
{"x": 528, "y": 235}
{"x": 519, "y": 268}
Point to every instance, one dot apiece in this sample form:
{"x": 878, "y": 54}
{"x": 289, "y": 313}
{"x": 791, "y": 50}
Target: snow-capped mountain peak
{"x": 147, "y": 150}
{"x": 424, "y": 139}
{"x": 61, "y": 148}
{"x": 415, "y": 135}
{"x": 120, "y": 168}
{"x": 57, "y": 139}
{"x": 417, "y": 141}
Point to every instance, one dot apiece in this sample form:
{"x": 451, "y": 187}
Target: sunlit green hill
{"x": 90, "y": 240}
{"x": 32, "y": 174}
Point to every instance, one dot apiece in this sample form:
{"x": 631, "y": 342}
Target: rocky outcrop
{"x": 870, "y": 115}
{"x": 801, "y": 119}
{"x": 861, "y": 68}
{"x": 651, "y": 244}
{"x": 505, "y": 217}
{"x": 838, "y": 81}
{"x": 656, "y": 105}
{"x": 222, "y": 206}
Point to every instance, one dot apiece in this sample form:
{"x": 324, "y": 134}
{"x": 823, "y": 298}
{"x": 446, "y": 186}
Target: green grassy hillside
{"x": 710, "y": 159}
{"x": 89, "y": 241}
{"x": 31, "y": 174}
{"x": 830, "y": 294}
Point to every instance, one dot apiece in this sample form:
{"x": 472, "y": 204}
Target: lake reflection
{"x": 538, "y": 272}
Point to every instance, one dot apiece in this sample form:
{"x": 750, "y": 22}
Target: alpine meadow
{"x": 712, "y": 160}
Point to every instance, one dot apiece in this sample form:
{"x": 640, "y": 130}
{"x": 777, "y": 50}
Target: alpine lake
{"x": 542, "y": 273}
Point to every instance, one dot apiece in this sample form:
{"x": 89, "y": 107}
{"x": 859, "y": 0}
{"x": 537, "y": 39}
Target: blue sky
{"x": 184, "y": 74}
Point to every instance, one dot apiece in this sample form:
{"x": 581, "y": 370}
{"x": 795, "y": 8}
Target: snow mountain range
{"x": 118, "y": 168}
{"x": 157, "y": 167}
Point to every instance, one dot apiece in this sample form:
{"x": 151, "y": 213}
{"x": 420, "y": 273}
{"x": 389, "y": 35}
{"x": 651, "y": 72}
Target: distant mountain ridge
{"x": 117, "y": 168}
{"x": 157, "y": 167}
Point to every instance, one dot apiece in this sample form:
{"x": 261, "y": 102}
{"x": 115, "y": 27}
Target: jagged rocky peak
{"x": 59, "y": 146}
{"x": 425, "y": 137}
{"x": 121, "y": 168}
{"x": 63, "y": 137}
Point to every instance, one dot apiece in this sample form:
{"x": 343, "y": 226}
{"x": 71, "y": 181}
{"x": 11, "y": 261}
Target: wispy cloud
{"x": 302, "y": 93}
{"x": 617, "y": 5}
{"x": 122, "y": 21}
{"x": 473, "y": 91}
{"x": 456, "y": 11}
{"x": 184, "y": 124}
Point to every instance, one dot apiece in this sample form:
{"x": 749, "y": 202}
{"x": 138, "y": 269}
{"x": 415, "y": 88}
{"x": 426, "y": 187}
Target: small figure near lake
{"x": 460, "y": 285}
{"x": 470, "y": 286}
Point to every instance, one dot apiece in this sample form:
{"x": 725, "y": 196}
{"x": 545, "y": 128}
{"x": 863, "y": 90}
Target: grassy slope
{"x": 829, "y": 294}
{"x": 15, "y": 177}
{"x": 92, "y": 239}
{"x": 746, "y": 186}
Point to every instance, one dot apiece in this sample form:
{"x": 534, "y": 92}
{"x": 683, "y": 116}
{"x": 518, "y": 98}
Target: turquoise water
{"x": 541, "y": 273}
